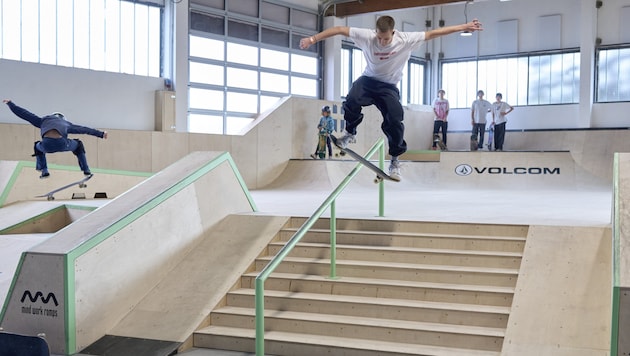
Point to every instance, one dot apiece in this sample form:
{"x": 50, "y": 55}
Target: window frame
{"x": 599, "y": 74}
{"x": 268, "y": 39}
{"x": 513, "y": 93}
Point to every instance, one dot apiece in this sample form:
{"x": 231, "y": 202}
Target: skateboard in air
{"x": 437, "y": 139}
{"x": 380, "y": 175}
{"x": 80, "y": 183}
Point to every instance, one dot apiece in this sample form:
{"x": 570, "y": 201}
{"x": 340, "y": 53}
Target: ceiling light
{"x": 466, "y": 33}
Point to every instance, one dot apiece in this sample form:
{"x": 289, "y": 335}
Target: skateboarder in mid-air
{"x": 387, "y": 52}
{"x": 54, "y": 130}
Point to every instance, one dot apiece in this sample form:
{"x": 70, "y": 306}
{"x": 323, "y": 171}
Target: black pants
{"x": 440, "y": 125}
{"x": 366, "y": 91}
{"x": 499, "y": 136}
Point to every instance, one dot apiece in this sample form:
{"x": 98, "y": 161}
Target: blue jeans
{"x": 480, "y": 131}
{"x": 52, "y": 145}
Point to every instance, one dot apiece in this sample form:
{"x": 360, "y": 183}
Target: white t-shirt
{"x": 498, "y": 107}
{"x": 386, "y": 63}
{"x": 480, "y": 108}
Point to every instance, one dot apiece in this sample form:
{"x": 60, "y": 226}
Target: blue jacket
{"x": 327, "y": 123}
{"x": 52, "y": 122}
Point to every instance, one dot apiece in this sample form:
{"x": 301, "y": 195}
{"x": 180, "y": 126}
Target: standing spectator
{"x": 479, "y": 111}
{"x": 440, "y": 109}
{"x": 325, "y": 127}
{"x": 500, "y": 109}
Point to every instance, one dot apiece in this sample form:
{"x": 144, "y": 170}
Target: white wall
{"x": 86, "y": 97}
{"x": 574, "y": 32}
{"x": 119, "y": 101}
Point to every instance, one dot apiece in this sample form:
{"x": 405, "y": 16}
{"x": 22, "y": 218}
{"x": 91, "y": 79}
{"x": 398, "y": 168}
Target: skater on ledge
{"x": 54, "y": 130}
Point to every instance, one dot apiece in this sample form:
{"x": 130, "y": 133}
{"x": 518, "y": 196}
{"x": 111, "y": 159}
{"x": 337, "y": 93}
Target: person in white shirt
{"x": 499, "y": 110}
{"x": 440, "y": 109}
{"x": 479, "y": 111}
{"x": 386, "y": 53}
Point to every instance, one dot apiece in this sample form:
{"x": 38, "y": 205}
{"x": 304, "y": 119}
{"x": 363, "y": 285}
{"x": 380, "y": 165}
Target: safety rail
{"x": 295, "y": 239}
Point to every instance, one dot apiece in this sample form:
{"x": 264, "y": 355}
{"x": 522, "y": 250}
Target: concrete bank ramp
{"x": 82, "y": 281}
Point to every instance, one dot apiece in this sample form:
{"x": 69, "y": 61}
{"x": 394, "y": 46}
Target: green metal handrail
{"x": 295, "y": 239}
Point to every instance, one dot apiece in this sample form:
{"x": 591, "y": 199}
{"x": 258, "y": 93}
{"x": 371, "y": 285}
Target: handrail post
{"x": 260, "y": 317}
{"x": 333, "y": 240}
{"x": 284, "y": 251}
{"x": 381, "y": 184}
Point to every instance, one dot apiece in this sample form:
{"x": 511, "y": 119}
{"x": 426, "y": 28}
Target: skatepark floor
{"x": 308, "y": 183}
{"x": 429, "y": 193}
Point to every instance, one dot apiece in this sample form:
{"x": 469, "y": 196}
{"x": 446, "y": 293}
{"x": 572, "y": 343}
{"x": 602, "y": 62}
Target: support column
{"x": 588, "y": 36}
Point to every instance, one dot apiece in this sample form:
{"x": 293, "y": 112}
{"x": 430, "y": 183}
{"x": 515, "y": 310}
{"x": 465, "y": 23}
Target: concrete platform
{"x": 545, "y": 188}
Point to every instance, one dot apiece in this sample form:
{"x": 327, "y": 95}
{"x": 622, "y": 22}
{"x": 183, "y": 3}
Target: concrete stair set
{"x": 402, "y": 288}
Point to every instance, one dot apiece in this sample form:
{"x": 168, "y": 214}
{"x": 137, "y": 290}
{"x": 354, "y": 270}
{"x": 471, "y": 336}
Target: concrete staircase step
{"x": 291, "y": 344}
{"x": 492, "y": 259}
{"x": 412, "y": 332}
{"x": 405, "y": 226}
{"x": 386, "y": 288}
{"x": 401, "y": 271}
{"x": 412, "y": 239}
{"x": 398, "y": 309}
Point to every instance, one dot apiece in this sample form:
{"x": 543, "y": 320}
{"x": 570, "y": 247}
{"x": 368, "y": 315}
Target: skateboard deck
{"x": 321, "y": 145}
{"x": 80, "y": 183}
{"x": 474, "y": 143}
{"x": 490, "y": 137}
{"x": 437, "y": 139}
{"x": 16, "y": 344}
{"x": 380, "y": 175}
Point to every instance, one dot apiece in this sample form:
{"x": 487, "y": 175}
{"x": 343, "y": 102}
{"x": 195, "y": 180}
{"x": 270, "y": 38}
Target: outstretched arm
{"x": 306, "y": 42}
{"x": 23, "y": 113}
{"x": 471, "y": 26}
{"x": 78, "y": 129}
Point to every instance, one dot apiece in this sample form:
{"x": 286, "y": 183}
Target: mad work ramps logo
{"x": 466, "y": 170}
{"x": 49, "y": 301}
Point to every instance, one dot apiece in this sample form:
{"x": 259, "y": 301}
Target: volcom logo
{"x": 466, "y": 170}
{"x": 463, "y": 170}
{"x": 27, "y": 293}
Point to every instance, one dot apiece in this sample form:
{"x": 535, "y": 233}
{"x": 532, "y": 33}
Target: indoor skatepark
{"x": 546, "y": 191}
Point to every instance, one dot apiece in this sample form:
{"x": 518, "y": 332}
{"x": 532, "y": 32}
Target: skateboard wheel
{"x": 82, "y": 185}
{"x": 50, "y": 198}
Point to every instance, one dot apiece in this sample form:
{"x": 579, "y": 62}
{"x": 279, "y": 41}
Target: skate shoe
{"x": 344, "y": 140}
{"x": 394, "y": 170}
{"x": 44, "y": 175}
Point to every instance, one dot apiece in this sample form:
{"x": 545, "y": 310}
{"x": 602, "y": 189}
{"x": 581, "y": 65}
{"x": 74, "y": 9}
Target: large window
{"x": 613, "y": 74}
{"x": 534, "y": 79}
{"x": 243, "y": 57}
{"x": 108, "y": 35}
{"x": 413, "y": 83}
